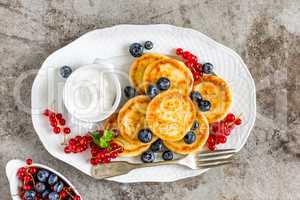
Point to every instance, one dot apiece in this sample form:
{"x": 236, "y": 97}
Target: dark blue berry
{"x": 207, "y": 68}
{"x": 195, "y": 96}
{"x": 148, "y": 45}
{"x": 163, "y": 83}
{"x": 65, "y": 71}
{"x": 40, "y": 187}
{"x": 195, "y": 125}
{"x": 42, "y": 175}
{"x": 152, "y": 91}
{"x": 167, "y": 155}
{"x": 58, "y": 186}
{"x": 157, "y": 146}
{"x": 136, "y": 49}
{"x": 45, "y": 194}
{"x": 30, "y": 195}
{"x": 52, "y": 179}
{"x": 130, "y": 92}
{"x": 204, "y": 105}
{"x": 148, "y": 157}
{"x": 145, "y": 135}
{"x": 190, "y": 137}
{"x": 53, "y": 196}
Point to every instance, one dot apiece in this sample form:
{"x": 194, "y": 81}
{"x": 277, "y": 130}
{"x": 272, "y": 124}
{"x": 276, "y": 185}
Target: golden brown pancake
{"x": 138, "y": 68}
{"x": 202, "y": 134}
{"x": 179, "y": 75}
{"x": 132, "y": 118}
{"x": 133, "y": 148}
{"x": 170, "y": 115}
{"x": 217, "y": 91}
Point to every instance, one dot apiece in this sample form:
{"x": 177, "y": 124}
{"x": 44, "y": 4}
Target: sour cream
{"x": 92, "y": 93}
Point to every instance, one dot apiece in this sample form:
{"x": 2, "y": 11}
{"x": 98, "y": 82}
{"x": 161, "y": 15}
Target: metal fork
{"x": 193, "y": 161}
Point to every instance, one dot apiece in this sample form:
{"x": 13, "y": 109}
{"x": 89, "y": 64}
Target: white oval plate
{"x": 12, "y": 168}
{"x": 111, "y": 45}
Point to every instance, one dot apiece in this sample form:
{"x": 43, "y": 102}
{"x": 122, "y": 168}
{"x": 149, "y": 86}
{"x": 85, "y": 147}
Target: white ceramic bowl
{"x": 88, "y": 83}
{"x": 11, "y": 172}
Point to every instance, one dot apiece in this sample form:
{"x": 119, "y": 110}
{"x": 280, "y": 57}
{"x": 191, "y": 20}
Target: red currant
{"x": 93, "y": 161}
{"x": 106, "y": 160}
{"x": 63, "y": 194}
{"x": 179, "y": 51}
{"x": 26, "y": 187}
{"x": 211, "y": 147}
{"x": 67, "y": 149}
{"x": 27, "y": 179}
{"x": 186, "y": 54}
{"x": 58, "y": 116}
{"x": 210, "y": 140}
{"x": 62, "y": 121}
{"x": 77, "y": 197}
{"x": 28, "y": 161}
{"x": 22, "y": 169}
{"x": 46, "y": 112}
{"x": 33, "y": 170}
{"x": 53, "y": 123}
{"x": 230, "y": 117}
{"x": 238, "y": 121}
{"x": 67, "y": 130}
{"x": 221, "y": 139}
{"x": 21, "y": 175}
{"x": 56, "y": 130}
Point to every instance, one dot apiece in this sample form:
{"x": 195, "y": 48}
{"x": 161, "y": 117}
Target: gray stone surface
{"x": 265, "y": 33}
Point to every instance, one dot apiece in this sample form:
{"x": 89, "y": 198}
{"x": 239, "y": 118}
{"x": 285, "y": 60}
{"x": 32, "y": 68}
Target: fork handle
{"x": 122, "y": 167}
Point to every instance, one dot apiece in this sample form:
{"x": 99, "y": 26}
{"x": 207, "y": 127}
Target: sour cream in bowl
{"x": 92, "y": 93}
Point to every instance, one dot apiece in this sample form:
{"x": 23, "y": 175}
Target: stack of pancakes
{"x": 171, "y": 114}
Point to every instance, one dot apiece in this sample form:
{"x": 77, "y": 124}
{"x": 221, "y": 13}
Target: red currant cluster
{"x": 57, "y": 122}
{"x": 219, "y": 131}
{"x": 104, "y": 155}
{"x": 78, "y": 144}
{"x": 191, "y": 61}
{"x": 33, "y": 188}
{"x": 99, "y": 155}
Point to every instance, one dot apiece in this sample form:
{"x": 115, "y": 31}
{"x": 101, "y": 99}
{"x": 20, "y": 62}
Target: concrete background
{"x": 265, "y": 33}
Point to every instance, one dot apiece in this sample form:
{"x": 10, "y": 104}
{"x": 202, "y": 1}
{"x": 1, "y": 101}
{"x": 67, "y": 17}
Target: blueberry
{"x": 65, "y": 71}
{"x": 58, "y": 186}
{"x": 195, "y": 96}
{"x": 136, "y": 49}
{"x": 40, "y": 187}
{"x": 148, "y": 157}
{"x": 145, "y": 135}
{"x": 190, "y": 137}
{"x": 53, "y": 196}
{"x": 163, "y": 83}
{"x": 52, "y": 179}
{"x": 195, "y": 125}
{"x": 148, "y": 45}
{"x": 207, "y": 68}
{"x": 152, "y": 91}
{"x": 30, "y": 195}
{"x": 130, "y": 92}
{"x": 157, "y": 146}
{"x": 42, "y": 175}
{"x": 167, "y": 155}
{"x": 45, "y": 194}
{"x": 204, "y": 105}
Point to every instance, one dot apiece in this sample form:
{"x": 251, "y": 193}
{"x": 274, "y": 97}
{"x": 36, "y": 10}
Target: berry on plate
{"x": 167, "y": 155}
{"x": 136, "y": 49}
{"x": 190, "y": 137}
{"x": 148, "y": 45}
{"x": 152, "y": 91}
{"x": 130, "y": 92}
{"x": 65, "y": 71}
{"x": 148, "y": 157}
{"x": 163, "y": 83}
{"x": 145, "y": 135}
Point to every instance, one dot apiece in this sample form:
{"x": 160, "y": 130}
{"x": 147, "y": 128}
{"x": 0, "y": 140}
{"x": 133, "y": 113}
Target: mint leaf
{"x": 96, "y": 137}
{"x": 108, "y": 135}
{"x": 103, "y": 143}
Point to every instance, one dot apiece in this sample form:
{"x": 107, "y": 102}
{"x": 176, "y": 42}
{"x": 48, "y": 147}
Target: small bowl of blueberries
{"x": 32, "y": 181}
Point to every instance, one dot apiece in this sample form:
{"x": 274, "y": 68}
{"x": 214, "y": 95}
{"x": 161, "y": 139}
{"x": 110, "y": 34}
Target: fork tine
{"x": 214, "y": 164}
{"x": 218, "y": 152}
{"x": 214, "y": 158}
